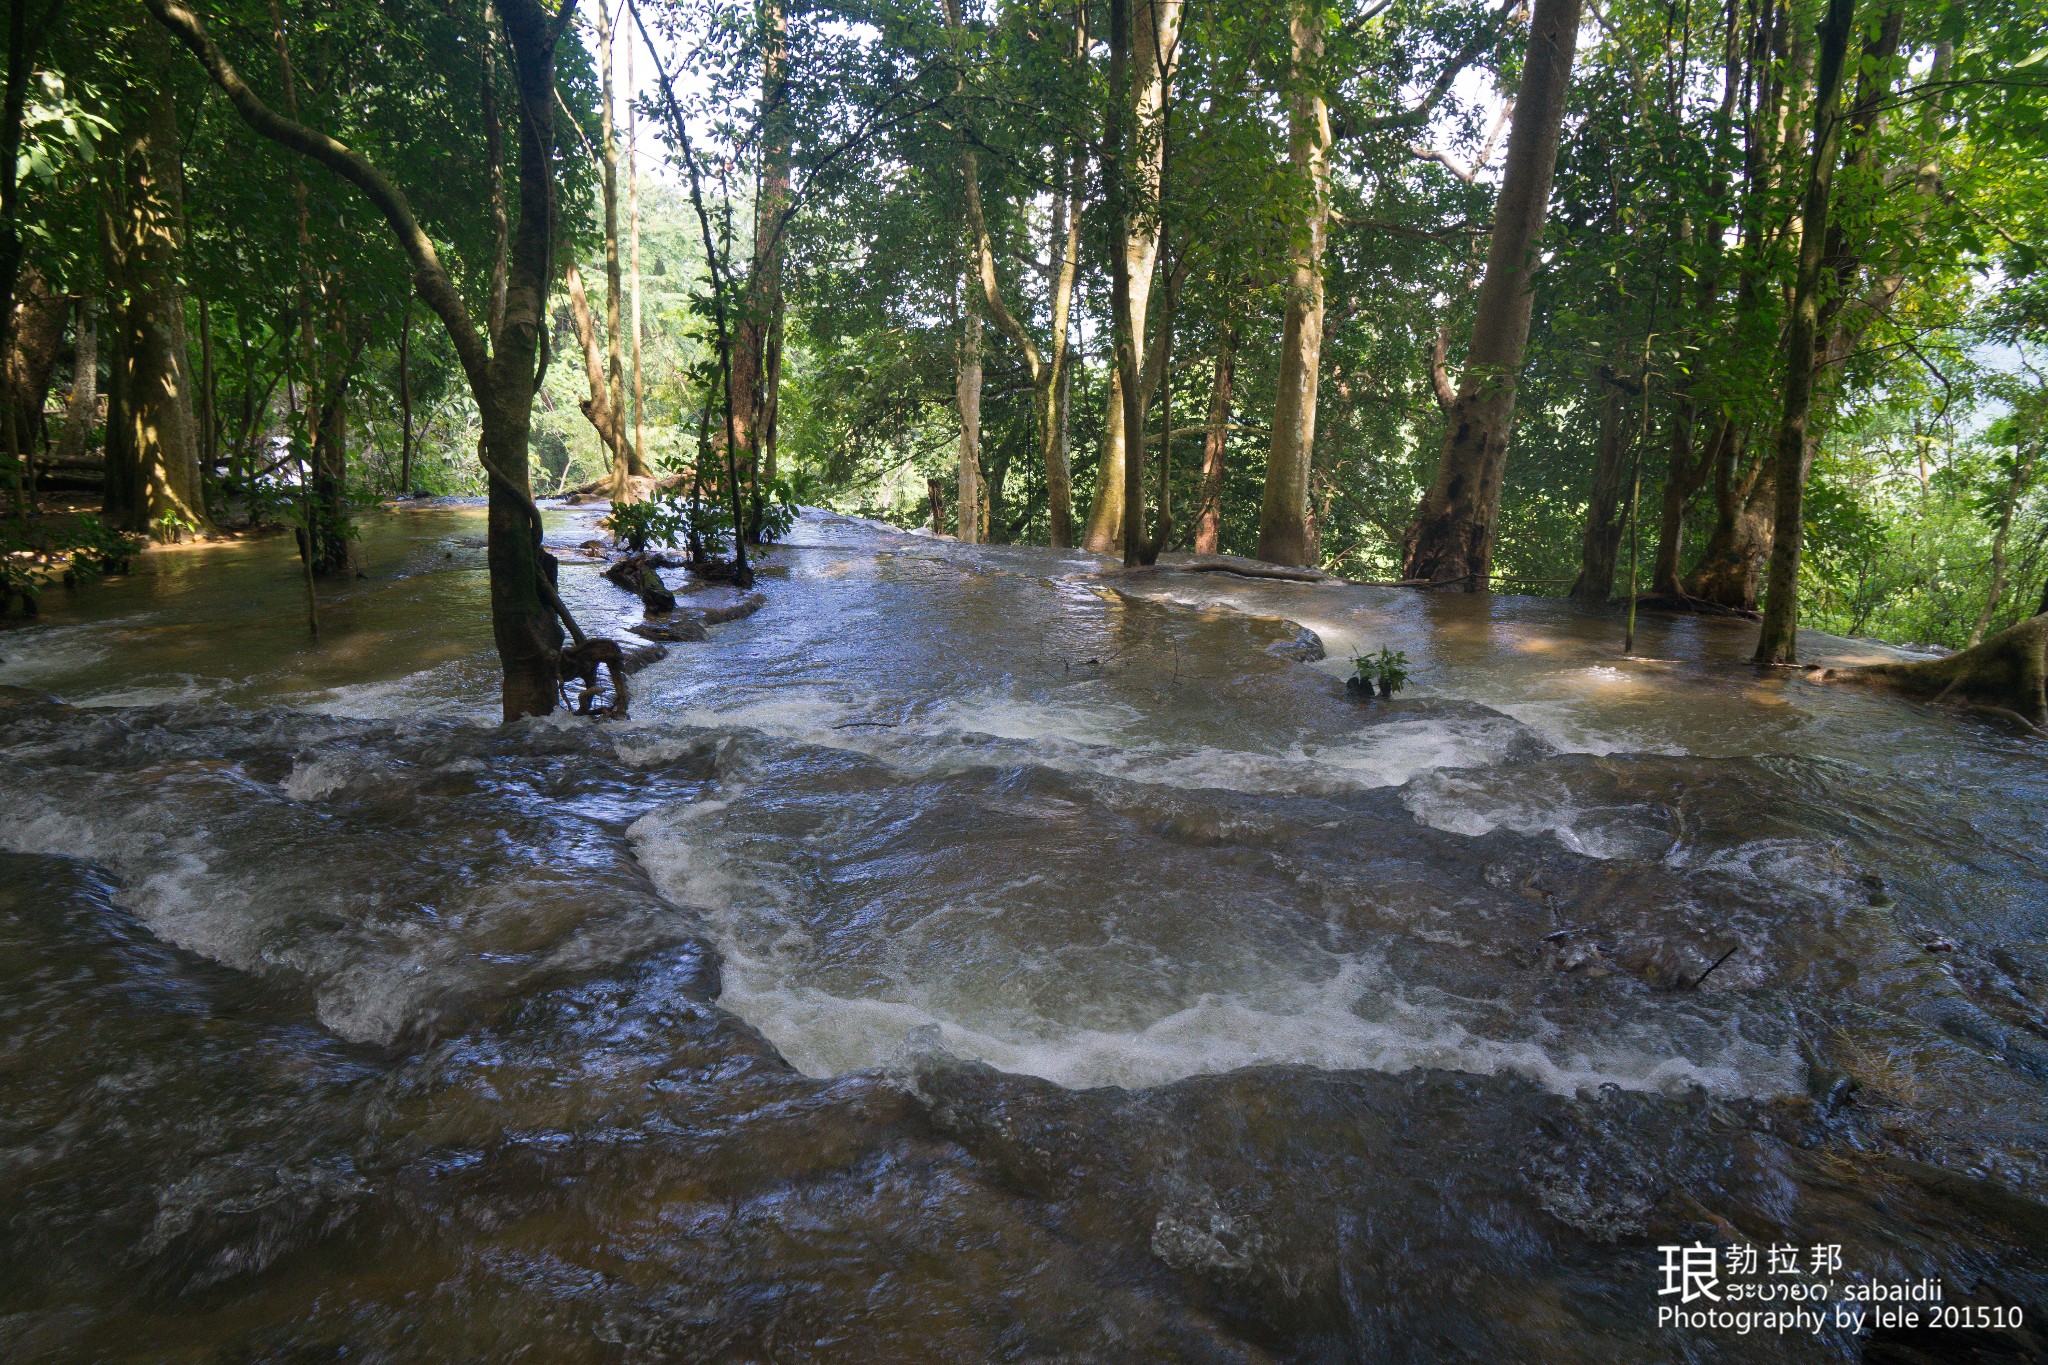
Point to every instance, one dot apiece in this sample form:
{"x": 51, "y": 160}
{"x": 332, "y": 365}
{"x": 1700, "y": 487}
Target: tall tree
{"x": 152, "y": 482}
{"x": 1451, "y": 540}
{"x": 500, "y": 365}
{"x": 1151, "y": 57}
{"x": 1777, "y": 642}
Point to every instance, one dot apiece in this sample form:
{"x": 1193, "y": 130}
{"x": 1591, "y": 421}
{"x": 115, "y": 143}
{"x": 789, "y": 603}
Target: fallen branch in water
{"x": 1246, "y": 568}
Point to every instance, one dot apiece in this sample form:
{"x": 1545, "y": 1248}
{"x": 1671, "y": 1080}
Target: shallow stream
{"x": 979, "y": 954}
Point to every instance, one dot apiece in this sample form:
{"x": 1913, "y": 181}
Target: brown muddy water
{"x": 977, "y": 956}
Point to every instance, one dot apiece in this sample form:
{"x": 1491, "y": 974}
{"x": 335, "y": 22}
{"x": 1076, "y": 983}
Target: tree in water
{"x": 152, "y": 481}
{"x": 1450, "y": 542}
{"x": 1777, "y": 642}
{"x": 500, "y": 363}
{"x": 1151, "y": 52}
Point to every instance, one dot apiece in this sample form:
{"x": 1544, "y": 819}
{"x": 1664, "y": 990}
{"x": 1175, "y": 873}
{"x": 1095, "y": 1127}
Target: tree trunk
{"x": 1777, "y": 642}
{"x": 969, "y": 523}
{"x": 1682, "y": 482}
{"x": 328, "y": 535}
{"x": 615, "y": 366}
{"x": 161, "y": 493}
{"x": 38, "y": 335}
{"x": 1048, "y": 372}
{"x": 1730, "y": 571}
{"x": 81, "y": 412}
{"x": 1215, "y": 443}
{"x": 25, "y": 36}
{"x": 604, "y": 418}
{"x": 1283, "y": 509}
{"x": 758, "y": 335}
{"x": 2005, "y": 673}
{"x": 1152, "y": 52}
{"x": 638, "y": 456}
{"x": 1451, "y": 540}
{"x": 1600, "y": 546}
{"x": 2022, "y": 475}
{"x": 526, "y": 611}
{"x": 405, "y": 400}
{"x": 209, "y": 416}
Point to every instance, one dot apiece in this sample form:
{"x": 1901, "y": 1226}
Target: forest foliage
{"x": 860, "y": 229}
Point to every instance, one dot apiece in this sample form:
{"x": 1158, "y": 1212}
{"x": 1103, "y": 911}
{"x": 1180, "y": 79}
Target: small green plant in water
{"x": 654, "y": 521}
{"x": 1386, "y": 671}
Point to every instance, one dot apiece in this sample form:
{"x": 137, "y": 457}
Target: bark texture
{"x": 2006, "y": 672}
{"x": 1450, "y": 543}
{"x": 501, "y": 369}
{"x": 1154, "y": 52}
{"x": 157, "y": 487}
{"x": 1600, "y": 545}
{"x": 1215, "y": 447}
{"x": 1283, "y": 508}
{"x": 1777, "y": 642}
{"x": 968, "y": 526}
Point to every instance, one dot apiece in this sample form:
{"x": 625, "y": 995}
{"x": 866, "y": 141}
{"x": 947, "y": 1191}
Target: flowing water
{"x": 977, "y": 955}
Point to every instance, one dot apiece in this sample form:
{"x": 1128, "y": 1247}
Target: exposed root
{"x": 2007, "y": 674}
{"x": 580, "y": 662}
{"x": 1693, "y": 606}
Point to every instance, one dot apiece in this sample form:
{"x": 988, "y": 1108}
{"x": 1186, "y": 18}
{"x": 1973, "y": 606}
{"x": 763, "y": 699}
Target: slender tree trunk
{"x": 614, "y": 376}
{"x": 1777, "y": 642}
{"x": 1600, "y": 546}
{"x": 28, "y": 23}
{"x": 494, "y": 170}
{"x": 1682, "y": 482}
{"x": 1152, "y": 54}
{"x": 638, "y": 461}
{"x": 1215, "y": 443}
{"x": 1283, "y": 509}
{"x": 81, "y": 412}
{"x": 758, "y": 335}
{"x": 405, "y": 400}
{"x": 604, "y": 418}
{"x": 2022, "y": 475}
{"x": 1117, "y": 148}
{"x": 1451, "y": 541}
{"x": 969, "y": 520}
{"x": 1048, "y": 371}
{"x": 329, "y": 529}
{"x": 161, "y": 493}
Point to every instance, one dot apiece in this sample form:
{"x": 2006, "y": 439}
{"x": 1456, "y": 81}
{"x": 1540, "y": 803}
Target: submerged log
{"x": 2007, "y": 673}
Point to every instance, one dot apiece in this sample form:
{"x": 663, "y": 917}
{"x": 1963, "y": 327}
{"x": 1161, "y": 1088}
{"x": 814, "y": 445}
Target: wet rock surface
{"x": 961, "y": 962}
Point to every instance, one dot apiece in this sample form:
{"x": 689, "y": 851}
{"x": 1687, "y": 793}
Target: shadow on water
{"x": 980, "y": 955}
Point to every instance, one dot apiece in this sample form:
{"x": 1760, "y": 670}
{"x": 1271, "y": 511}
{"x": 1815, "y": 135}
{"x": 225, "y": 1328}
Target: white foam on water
{"x": 1355, "y": 1016}
{"x": 1479, "y": 804}
{"x": 167, "y": 881}
{"x": 319, "y": 776}
{"x": 180, "y": 687}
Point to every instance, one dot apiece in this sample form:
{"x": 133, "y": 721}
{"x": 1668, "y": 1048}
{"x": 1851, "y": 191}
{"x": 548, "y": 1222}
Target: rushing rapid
{"x": 982, "y": 953}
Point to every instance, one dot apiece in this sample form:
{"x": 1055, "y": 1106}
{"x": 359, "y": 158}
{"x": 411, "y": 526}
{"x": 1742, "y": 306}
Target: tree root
{"x": 580, "y": 662}
{"x": 1693, "y": 606}
{"x": 2007, "y": 673}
